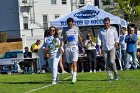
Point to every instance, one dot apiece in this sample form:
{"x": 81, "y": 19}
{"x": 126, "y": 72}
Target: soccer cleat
{"x": 64, "y": 72}
{"x": 90, "y": 71}
{"x": 73, "y": 81}
{"x": 116, "y": 77}
{"x": 58, "y": 73}
{"x": 110, "y": 80}
{"x": 53, "y": 82}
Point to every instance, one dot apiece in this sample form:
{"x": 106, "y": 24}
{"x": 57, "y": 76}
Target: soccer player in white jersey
{"x": 71, "y": 37}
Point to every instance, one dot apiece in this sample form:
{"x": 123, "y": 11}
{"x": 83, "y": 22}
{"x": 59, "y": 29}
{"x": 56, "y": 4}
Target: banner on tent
{"x": 84, "y": 22}
{"x": 86, "y": 14}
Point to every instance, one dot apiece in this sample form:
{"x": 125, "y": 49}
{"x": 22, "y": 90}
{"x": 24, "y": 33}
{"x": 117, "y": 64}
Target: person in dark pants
{"x": 80, "y": 60}
{"x": 91, "y": 51}
{"x": 122, "y": 44}
{"x": 28, "y": 62}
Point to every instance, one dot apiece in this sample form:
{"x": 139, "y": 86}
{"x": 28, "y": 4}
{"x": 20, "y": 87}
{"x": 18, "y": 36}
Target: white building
{"x": 35, "y": 15}
{"x": 31, "y": 17}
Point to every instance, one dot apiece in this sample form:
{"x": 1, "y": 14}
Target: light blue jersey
{"x": 70, "y": 37}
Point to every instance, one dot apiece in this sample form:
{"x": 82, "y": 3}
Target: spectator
{"x": 61, "y": 65}
{"x": 71, "y": 36}
{"x": 108, "y": 39}
{"x": 131, "y": 40}
{"x": 62, "y": 56}
{"x": 34, "y": 47}
{"x": 28, "y": 63}
{"x": 27, "y": 53}
{"x": 80, "y": 60}
{"x": 122, "y": 44}
{"x": 138, "y": 49}
{"x": 53, "y": 50}
{"x": 90, "y": 45}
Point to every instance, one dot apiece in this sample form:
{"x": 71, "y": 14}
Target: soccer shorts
{"x": 71, "y": 53}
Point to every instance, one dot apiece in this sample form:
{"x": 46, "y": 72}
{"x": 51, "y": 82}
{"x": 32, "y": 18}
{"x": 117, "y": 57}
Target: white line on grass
{"x": 33, "y": 90}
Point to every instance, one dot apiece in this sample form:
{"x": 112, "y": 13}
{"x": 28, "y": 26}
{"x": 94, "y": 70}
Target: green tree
{"x": 130, "y": 8}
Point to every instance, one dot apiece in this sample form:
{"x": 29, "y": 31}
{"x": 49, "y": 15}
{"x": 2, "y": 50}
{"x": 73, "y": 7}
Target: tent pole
{"x": 71, "y": 2}
{"x": 120, "y": 58}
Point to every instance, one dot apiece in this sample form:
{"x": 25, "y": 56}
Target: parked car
{"x": 9, "y": 60}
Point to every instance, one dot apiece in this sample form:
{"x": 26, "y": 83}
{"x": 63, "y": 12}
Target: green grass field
{"x": 129, "y": 82}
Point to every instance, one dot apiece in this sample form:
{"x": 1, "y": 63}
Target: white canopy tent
{"x": 87, "y": 16}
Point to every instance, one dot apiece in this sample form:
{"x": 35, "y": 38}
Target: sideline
{"x": 36, "y": 89}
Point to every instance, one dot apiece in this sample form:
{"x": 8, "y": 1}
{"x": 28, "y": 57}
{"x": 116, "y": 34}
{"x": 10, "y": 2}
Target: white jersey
{"x": 71, "y": 35}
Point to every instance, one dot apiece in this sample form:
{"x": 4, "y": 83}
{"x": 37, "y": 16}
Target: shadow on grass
{"x": 92, "y": 80}
{"x": 49, "y": 82}
{"x": 86, "y": 80}
{"x": 30, "y": 82}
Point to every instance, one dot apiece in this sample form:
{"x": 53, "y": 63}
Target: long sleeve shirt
{"x": 52, "y": 43}
{"x": 89, "y": 45}
{"x": 131, "y": 43}
{"x": 122, "y": 42}
{"x": 107, "y": 38}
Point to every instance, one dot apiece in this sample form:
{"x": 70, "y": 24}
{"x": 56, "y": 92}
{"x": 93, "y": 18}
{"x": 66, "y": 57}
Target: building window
{"x": 45, "y": 22}
{"x": 25, "y": 22}
{"x": 82, "y": 1}
{"x": 64, "y": 1}
{"x": 24, "y": 1}
{"x": 53, "y": 1}
{"x": 24, "y": 9}
{"x": 56, "y": 16}
{"x": 96, "y": 2}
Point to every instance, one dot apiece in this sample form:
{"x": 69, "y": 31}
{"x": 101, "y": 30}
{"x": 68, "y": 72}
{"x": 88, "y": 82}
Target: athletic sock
{"x": 74, "y": 75}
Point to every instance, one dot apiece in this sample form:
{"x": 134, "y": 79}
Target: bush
{"x": 3, "y": 37}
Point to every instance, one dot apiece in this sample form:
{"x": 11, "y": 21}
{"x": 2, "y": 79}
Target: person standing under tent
{"x": 131, "y": 40}
{"x": 70, "y": 37}
{"x": 91, "y": 51}
{"x": 108, "y": 39}
{"x": 61, "y": 65}
{"x": 53, "y": 50}
{"x": 122, "y": 44}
